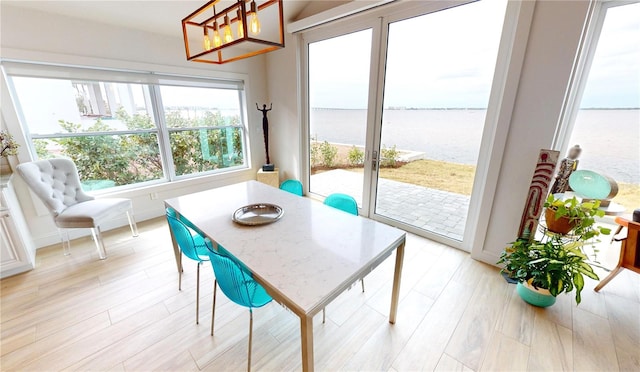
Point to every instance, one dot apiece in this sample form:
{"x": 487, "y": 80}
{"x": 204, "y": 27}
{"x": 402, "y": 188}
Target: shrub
{"x": 41, "y": 148}
{"x": 127, "y": 159}
{"x": 355, "y": 156}
{"x": 329, "y": 153}
{"x": 389, "y": 156}
{"x": 314, "y": 151}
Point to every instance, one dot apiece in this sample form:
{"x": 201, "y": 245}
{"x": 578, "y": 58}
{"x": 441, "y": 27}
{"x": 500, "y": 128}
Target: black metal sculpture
{"x": 265, "y": 129}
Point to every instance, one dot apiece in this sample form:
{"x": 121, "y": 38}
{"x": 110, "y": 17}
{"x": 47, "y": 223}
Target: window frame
{"x": 153, "y": 82}
{"x": 582, "y": 68}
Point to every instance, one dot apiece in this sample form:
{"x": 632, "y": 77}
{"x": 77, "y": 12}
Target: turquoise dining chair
{"x": 343, "y": 202}
{"x": 237, "y": 283}
{"x": 192, "y": 245}
{"x": 347, "y": 204}
{"x": 292, "y": 186}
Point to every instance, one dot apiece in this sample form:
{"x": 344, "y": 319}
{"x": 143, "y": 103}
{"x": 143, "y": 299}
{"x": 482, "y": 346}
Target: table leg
{"x": 395, "y": 294}
{"x": 306, "y": 330}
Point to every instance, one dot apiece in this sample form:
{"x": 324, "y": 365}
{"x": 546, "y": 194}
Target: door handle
{"x": 374, "y": 160}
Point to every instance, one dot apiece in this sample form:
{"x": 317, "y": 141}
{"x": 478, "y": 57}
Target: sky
{"x": 614, "y": 78}
{"x": 173, "y": 96}
{"x": 447, "y": 59}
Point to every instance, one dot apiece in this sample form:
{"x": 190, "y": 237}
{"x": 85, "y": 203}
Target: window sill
{"x": 155, "y": 190}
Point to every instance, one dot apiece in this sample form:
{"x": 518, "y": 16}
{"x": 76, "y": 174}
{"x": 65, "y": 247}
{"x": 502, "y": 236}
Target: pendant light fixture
{"x": 228, "y": 35}
{"x": 247, "y": 28}
{"x": 206, "y": 43}
{"x": 254, "y": 26}
{"x": 240, "y": 24}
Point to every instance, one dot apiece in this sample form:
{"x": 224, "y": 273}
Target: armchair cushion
{"x": 91, "y": 213}
{"x": 55, "y": 182}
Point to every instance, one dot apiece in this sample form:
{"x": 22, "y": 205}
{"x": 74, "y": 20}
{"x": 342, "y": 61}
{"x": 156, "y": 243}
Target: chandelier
{"x": 244, "y": 29}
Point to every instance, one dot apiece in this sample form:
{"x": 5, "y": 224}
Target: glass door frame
{"x": 318, "y": 35}
{"x": 509, "y": 64}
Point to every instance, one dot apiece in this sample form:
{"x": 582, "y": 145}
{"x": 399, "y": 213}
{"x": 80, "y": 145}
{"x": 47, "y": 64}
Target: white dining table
{"x": 305, "y": 259}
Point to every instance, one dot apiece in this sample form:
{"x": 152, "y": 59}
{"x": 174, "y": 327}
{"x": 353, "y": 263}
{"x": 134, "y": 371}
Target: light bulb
{"x": 254, "y": 24}
{"x": 228, "y": 36}
{"x": 217, "y": 41}
{"x": 206, "y": 42}
{"x": 240, "y": 26}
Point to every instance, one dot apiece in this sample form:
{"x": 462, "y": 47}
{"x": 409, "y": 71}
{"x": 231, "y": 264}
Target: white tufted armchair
{"x": 57, "y": 184}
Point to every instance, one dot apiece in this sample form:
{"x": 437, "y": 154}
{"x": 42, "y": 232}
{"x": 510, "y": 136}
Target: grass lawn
{"x": 458, "y": 178}
{"x": 439, "y": 175}
{"x": 629, "y": 196}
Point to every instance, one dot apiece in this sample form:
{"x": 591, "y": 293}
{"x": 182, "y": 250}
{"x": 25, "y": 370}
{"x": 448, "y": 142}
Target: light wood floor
{"x": 126, "y": 313}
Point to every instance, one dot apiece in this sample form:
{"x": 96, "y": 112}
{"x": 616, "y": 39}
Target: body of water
{"x": 610, "y": 138}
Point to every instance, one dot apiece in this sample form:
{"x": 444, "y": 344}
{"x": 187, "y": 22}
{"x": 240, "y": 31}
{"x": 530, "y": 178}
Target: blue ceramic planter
{"x": 540, "y": 298}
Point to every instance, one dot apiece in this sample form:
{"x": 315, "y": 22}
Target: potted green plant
{"x": 572, "y": 215}
{"x": 544, "y": 269}
{"x": 556, "y": 263}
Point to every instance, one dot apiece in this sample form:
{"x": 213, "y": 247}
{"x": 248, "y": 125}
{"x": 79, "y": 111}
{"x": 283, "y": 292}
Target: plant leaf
{"x": 604, "y": 230}
{"x": 578, "y": 281}
{"x": 538, "y": 261}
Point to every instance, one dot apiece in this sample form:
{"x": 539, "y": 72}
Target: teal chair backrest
{"x": 292, "y": 186}
{"x": 190, "y": 242}
{"x": 343, "y": 202}
{"x": 236, "y": 282}
{"x": 171, "y": 212}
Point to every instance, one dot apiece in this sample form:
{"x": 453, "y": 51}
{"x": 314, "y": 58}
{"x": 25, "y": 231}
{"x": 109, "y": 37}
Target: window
{"x": 124, "y": 133}
{"x": 607, "y": 121}
{"x": 202, "y": 137}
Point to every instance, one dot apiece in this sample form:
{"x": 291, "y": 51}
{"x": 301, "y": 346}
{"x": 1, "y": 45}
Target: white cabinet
{"x": 17, "y": 252}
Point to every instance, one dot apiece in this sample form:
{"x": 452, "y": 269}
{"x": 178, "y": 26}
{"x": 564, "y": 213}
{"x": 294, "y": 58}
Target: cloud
{"x": 452, "y": 62}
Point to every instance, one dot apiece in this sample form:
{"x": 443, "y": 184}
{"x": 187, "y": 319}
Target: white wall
{"x": 551, "y": 49}
{"x": 285, "y": 121}
{"x": 37, "y": 36}
{"x": 553, "y": 43}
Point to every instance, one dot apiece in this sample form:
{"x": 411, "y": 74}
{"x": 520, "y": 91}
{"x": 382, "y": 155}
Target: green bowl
{"x": 535, "y": 298}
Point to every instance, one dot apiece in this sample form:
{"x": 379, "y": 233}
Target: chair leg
{"x": 362, "y": 281}
{"x": 180, "y": 274}
{"x": 181, "y": 267}
{"x": 66, "y": 243}
{"x": 213, "y": 310}
{"x": 250, "y": 339}
{"x": 613, "y": 236}
{"x": 198, "y": 295}
{"x": 132, "y": 223}
{"x": 606, "y": 280}
{"x": 97, "y": 237}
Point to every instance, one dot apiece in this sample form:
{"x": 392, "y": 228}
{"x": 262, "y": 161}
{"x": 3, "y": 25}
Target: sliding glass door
{"x": 397, "y": 108}
{"x": 435, "y": 103}
{"x": 339, "y": 71}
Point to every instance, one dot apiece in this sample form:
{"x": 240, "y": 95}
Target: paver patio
{"x": 437, "y": 211}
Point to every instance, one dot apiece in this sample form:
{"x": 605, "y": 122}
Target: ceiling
{"x": 161, "y": 17}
